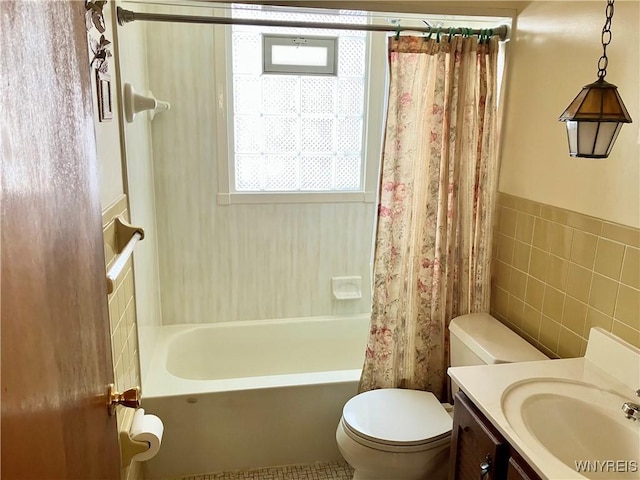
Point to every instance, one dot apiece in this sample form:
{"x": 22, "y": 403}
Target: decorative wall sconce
{"x": 594, "y": 118}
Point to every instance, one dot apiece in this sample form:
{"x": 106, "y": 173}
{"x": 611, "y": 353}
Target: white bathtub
{"x": 240, "y": 395}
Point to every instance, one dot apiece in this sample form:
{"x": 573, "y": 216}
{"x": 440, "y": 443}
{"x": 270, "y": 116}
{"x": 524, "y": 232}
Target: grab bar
{"x": 125, "y": 234}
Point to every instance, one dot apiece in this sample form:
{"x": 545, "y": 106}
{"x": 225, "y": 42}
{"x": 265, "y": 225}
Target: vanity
{"x": 479, "y": 450}
{"x": 551, "y": 419}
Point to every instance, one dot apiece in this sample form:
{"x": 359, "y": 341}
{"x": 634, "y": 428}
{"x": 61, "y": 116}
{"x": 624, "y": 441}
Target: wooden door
{"x": 56, "y": 357}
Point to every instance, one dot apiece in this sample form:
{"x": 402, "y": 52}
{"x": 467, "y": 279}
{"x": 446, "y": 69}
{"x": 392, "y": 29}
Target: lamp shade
{"x": 594, "y": 119}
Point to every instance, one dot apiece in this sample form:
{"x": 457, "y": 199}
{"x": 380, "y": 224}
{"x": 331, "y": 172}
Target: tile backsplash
{"x": 122, "y": 319}
{"x": 557, "y": 273}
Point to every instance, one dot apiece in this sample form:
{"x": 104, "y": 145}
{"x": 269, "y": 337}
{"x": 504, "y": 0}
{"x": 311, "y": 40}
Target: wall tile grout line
{"x": 586, "y": 266}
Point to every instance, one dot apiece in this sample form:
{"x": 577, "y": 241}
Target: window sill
{"x": 295, "y": 197}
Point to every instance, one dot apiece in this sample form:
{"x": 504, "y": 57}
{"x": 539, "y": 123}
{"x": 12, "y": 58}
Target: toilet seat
{"x": 397, "y": 420}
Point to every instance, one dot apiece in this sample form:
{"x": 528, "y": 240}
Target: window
{"x": 296, "y": 127}
{"x": 296, "y": 54}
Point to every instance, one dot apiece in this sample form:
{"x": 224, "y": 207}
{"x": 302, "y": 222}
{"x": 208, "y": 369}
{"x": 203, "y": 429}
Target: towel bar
{"x": 126, "y": 235}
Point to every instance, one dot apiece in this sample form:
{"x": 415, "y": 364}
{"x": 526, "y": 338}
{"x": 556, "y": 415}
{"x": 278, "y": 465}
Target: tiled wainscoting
{"x": 557, "y": 273}
{"x": 122, "y": 318}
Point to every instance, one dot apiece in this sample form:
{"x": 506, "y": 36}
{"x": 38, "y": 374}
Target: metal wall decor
{"x": 100, "y": 49}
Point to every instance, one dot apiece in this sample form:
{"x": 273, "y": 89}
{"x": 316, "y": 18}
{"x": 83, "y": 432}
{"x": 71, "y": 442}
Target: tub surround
{"x": 610, "y": 364}
{"x": 224, "y": 263}
{"x": 558, "y": 273}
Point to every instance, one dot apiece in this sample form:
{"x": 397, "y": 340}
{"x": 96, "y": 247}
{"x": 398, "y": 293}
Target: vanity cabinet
{"x": 519, "y": 469}
{"x": 479, "y": 451}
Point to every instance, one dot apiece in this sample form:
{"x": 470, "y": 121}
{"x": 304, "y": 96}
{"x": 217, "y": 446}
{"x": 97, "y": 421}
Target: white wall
{"x": 553, "y": 53}
{"x": 237, "y": 262}
{"x": 108, "y": 132}
{"x": 132, "y": 48}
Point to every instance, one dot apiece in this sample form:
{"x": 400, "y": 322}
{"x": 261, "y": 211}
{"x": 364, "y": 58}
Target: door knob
{"x": 129, "y": 398}
{"x": 485, "y": 467}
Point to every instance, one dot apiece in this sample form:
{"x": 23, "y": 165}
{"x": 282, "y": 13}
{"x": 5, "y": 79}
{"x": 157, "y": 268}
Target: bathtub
{"x": 240, "y": 395}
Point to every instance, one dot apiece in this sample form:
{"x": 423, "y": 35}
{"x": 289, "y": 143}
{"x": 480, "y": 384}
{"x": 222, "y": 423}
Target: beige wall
{"x": 553, "y": 53}
{"x": 563, "y": 259}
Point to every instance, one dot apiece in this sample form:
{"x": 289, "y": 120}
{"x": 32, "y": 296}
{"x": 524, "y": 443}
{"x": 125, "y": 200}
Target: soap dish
{"x": 346, "y": 288}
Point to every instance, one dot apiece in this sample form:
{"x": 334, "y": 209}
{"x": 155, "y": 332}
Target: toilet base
{"x": 372, "y": 464}
{"x": 440, "y": 472}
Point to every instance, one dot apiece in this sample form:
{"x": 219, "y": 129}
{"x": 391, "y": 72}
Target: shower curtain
{"x": 436, "y": 203}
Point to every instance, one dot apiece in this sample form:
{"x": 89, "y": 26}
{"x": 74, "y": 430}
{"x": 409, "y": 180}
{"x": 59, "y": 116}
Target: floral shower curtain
{"x": 436, "y": 203}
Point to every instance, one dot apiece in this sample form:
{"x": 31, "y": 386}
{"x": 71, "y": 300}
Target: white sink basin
{"x": 578, "y": 423}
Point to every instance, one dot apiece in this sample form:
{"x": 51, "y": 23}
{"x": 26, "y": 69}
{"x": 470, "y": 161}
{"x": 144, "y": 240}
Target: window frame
{"x": 273, "y": 39}
{"x": 372, "y": 135}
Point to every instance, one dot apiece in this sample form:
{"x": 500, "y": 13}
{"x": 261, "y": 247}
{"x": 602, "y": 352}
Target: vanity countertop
{"x": 610, "y": 364}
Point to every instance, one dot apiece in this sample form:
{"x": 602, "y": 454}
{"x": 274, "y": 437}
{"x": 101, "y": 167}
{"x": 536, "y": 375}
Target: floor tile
{"x": 316, "y": 471}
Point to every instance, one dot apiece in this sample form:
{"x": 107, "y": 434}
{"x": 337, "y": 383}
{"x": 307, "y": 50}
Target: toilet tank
{"x": 480, "y": 339}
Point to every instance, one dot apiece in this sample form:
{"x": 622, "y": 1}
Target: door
{"x": 55, "y": 357}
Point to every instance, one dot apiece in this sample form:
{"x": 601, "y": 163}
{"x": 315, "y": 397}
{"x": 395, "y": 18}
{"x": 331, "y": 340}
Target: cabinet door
{"x": 518, "y": 469}
{"x": 478, "y": 451}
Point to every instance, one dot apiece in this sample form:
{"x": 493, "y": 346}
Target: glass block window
{"x": 297, "y": 132}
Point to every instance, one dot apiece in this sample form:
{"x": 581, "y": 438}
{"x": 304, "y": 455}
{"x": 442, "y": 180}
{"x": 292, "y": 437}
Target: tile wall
{"x": 122, "y": 319}
{"x": 557, "y": 273}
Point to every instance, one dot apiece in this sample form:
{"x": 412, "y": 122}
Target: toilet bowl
{"x": 398, "y": 434}
{"x": 409, "y": 441}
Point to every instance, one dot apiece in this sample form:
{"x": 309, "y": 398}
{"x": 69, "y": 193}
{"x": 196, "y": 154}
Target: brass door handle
{"x": 129, "y": 398}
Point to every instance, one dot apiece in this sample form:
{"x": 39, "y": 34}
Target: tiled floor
{"x": 316, "y": 471}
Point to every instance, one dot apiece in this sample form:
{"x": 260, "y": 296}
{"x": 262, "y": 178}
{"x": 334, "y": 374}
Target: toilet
{"x": 399, "y": 434}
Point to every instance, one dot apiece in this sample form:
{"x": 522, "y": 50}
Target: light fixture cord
{"x": 606, "y": 40}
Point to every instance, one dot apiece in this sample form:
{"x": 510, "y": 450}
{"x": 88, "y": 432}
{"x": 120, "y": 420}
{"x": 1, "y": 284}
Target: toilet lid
{"x": 395, "y": 416}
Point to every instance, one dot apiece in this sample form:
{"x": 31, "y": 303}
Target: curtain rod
{"x": 127, "y": 16}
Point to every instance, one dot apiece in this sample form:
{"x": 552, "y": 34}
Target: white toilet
{"x": 397, "y": 434}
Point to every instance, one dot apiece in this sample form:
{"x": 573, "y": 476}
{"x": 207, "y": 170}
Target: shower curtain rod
{"x": 126, "y": 16}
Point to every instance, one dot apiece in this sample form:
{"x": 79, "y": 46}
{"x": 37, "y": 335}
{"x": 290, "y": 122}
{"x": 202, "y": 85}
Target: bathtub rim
{"x": 159, "y": 382}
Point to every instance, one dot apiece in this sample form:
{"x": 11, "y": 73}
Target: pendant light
{"x": 594, "y": 118}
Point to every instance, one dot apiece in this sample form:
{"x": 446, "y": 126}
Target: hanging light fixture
{"x": 594, "y": 118}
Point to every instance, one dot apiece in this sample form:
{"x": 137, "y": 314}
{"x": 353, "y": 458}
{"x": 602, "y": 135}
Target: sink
{"x": 578, "y": 423}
